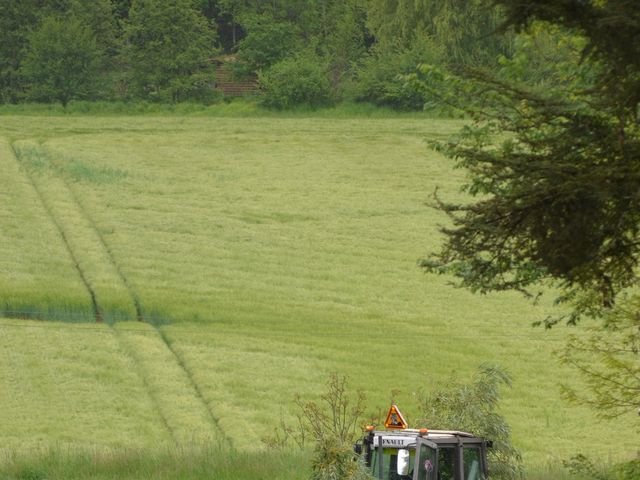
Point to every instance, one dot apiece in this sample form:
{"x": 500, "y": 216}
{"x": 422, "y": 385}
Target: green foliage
{"x": 551, "y": 206}
{"x": 608, "y": 360}
{"x": 611, "y": 31}
{"x": 168, "y": 51}
{"x": 344, "y": 44}
{"x": 296, "y": 81}
{"x": 474, "y": 408}
{"x": 161, "y": 51}
{"x": 381, "y": 77}
{"x": 267, "y": 42}
{"x": 333, "y": 30}
{"x": 464, "y": 29}
{"x": 62, "y": 62}
{"x": 626, "y": 471}
{"x": 98, "y": 16}
{"x": 554, "y": 169}
{"x": 547, "y": 57}
{"x": 335, "y": 461}
{"x": 398, "y": 22}
{"x": 18, "y": 17}
{"x": 333, "y": 426}
{"x": 582, "y": 466}
{"x": 19, "y": 21}
{"x": 555, "y": 204}
{"x": 121, "y": 9}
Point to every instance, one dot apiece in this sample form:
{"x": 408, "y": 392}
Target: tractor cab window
{"x": 447, "y": 463}
{"x": 427, "y": 461}
{"x": 394, "y": 463}
{"x": 471, "y": 457}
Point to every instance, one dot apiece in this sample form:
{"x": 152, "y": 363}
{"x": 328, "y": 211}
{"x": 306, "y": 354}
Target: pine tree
{"x": 556, "y": 176}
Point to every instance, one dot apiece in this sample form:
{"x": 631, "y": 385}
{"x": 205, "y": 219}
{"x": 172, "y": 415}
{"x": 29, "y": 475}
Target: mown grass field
{"x": 235, "y": 262}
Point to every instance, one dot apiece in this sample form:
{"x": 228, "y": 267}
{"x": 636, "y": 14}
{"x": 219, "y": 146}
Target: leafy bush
{"x": 473, "y": 408}
{"x": 300, "y": 80}
{"x": 581, "y": 465}
{"x": 332, "y": 426}
{"x": 380, "y": 78}
{"x": 267, "y": 42}
{"x": 627, "y": 471}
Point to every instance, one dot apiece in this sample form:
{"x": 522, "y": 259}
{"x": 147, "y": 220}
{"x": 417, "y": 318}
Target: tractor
{"x": 401, "y": 453}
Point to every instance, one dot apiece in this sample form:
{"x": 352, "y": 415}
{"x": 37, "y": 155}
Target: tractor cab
{"x": 410, "y": 454}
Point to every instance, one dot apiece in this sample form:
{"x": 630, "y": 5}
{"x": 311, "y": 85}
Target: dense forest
{"x": 312, "y": 52}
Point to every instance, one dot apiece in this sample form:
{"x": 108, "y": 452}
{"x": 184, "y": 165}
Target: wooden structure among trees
{"x": 226, "y": 82}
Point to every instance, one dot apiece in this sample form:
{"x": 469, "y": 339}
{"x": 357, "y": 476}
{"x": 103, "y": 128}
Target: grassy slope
{"x": 281, "y": 250}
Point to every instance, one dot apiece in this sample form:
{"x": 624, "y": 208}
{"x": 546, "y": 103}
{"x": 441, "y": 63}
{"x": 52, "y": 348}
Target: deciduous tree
{"x": 168, "y": 50}
{"x": 17, "y": 19}
{"x": 63, "y": 61}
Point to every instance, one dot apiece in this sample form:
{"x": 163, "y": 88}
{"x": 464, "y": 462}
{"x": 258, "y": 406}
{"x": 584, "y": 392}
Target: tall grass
{"x": 185, "y": 462}
{"x": 233, "y": 108}
{"x": 72, "y": 385}
{"x": 177, "y": 463}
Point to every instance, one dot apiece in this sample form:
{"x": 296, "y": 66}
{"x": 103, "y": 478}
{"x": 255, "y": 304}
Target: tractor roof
{"x": 408, "y": 437}
{"x": 430, "y": 433}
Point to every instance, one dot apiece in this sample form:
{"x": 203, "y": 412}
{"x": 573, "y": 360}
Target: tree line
{"x": 302, "y": 51}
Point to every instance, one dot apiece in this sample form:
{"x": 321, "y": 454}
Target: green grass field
{"x": 261, "y": 254}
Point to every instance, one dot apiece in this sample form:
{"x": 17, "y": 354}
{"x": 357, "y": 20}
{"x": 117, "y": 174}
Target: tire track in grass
{"x": 99, "y": 314}
{"x": 111, "y": 299}
{"x": 109, "y": 253}
{"x": 185, "y": 428}
{"x": 215, "y": 420}
{"x": 47, "y": 208}
{"x": 140, "y": 372}
{"x": 184, "y": 407}
{"x": 140, "y": 317}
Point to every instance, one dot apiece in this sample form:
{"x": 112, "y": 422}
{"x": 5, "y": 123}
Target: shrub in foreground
{"x": 473, "y": 408}
{"x": 332, "y": 426}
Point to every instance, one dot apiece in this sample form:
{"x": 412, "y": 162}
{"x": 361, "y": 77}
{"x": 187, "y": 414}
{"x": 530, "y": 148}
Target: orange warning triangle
{"x": 395, "y": 420}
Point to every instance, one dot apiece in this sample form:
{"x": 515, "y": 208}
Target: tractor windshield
{"x": 427, "y": 462}
{"x": 447, "y": 463}
{"x": 385, "y": 466}
{"x": 471, "y": 457}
